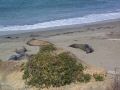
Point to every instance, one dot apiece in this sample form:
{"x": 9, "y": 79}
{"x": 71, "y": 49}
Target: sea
{"x": 16, "y": 15}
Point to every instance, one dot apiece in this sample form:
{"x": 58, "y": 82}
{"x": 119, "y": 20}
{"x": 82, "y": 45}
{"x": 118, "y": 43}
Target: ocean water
{"x": 34, "y": 14}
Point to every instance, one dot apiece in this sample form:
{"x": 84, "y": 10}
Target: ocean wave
{"x": 92, "y": 18}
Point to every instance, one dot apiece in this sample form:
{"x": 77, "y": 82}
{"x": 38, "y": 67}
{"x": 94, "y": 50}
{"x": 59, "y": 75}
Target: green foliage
{"x": 22, "y": 66}
{"x": 26, "y": 72}
{"x": 49, "y": 48}
{"x": 0, "y": 60}
{"x": 84, "y": 78}
{"x": 46, "y": 69}
{"x": 98, "y": 77}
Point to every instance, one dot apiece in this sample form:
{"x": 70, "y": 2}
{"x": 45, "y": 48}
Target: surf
{"x": 92, "y": 18}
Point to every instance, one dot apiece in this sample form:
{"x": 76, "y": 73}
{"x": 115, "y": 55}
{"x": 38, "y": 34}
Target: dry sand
{"x": 104, "y": 38}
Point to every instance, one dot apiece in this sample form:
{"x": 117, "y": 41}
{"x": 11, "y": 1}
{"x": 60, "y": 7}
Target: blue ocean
{"x": 34, "y": 14}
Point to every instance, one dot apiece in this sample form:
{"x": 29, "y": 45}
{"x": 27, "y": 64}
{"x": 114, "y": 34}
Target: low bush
{"x": 0, "y": 60}
{"x": 49, "y": 48}
{"x": 84, "y": 78}
{"x": 98, "y": 77}
{"x": 46, "y": 69}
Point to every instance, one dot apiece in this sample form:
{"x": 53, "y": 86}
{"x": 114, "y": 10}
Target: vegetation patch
{"x": 46, "y": 69}
{"x": 0, "y": 60}
{"x": 98, "y": 77}
{"x": 47, "y": 48}
{"x": 84, "y": 78}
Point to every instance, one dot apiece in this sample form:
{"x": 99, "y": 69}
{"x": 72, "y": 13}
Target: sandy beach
{"x": 104, "y": 39}
{"x": 59, "y": 45}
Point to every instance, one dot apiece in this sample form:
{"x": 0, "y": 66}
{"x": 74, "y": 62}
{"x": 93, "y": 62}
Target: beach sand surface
{"x": 104, "y": 38}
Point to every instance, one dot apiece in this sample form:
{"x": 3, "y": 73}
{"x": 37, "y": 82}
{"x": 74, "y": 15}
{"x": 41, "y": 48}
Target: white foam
{"x": 71, "y": 21}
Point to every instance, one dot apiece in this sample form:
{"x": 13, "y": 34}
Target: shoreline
{"x": 51, "y": 29}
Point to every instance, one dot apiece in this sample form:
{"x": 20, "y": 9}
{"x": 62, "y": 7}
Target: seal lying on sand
{"x": 84, "y": 47}
{"x": 20, "y": 54}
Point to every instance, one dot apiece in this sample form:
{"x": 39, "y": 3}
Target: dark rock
{"x": 16, "y": 57}
{"x": 8, "y": 37}
{"x": 13, "y": 57}
{"x": 84, "y": 47}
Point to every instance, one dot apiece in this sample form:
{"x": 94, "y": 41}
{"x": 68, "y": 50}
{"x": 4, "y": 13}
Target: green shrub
{"x": 46, "y": 69}
{"x": 84, "y": 78}
{"x": 0, "y": 60}
{"x": 49, "y": 48}
{"x": 22, "y": 66}
{"x": 98, "y": 77}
